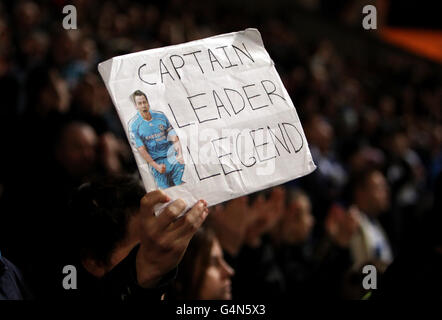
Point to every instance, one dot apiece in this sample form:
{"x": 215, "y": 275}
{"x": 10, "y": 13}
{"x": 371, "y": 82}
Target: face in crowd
{"x": 203, "y": 273}
{"x": 373, "y": 195}
{"x": 216, "y": 284}
{"x": 298, "y": 221}
{"x": 77, "y": 149}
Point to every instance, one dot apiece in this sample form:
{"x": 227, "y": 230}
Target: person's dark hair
{"x": 191, "y": 271}
{"x": 100, "y": 212}
{"x": 139, "y": 93}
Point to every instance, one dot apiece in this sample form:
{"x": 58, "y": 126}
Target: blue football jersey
{"x": 152, "y": 134}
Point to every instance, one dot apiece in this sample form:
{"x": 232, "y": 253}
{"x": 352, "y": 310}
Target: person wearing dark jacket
{"x": 120, "y": 248}
{"x": 12, "y": 285}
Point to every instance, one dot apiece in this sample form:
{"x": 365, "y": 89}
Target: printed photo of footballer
{"x": 157, "y": 142}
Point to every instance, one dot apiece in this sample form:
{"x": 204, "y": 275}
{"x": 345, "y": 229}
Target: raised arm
{"x": 164, "y": 238}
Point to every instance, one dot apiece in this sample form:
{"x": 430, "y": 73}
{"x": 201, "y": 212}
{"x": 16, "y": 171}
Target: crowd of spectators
{"x": 374, "y": 127}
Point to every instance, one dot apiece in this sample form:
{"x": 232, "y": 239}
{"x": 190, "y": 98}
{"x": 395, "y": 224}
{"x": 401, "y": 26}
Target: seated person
{"x": 313, "y": 267}
{"x": 242, "y": 226}
{"x": 123, "y": 251}
{"x": 203, "y": 273}
{"x": 371, "y": 197}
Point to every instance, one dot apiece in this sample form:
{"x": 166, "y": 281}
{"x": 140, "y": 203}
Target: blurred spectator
{"x": 203, "y": 273}
{"x": 48, "y": 94}
{"x": 297, "y": 221}
{"x": 230, "y": 222}
{"x": 312, "y": 269}
{"x": 325, "y": 184}
{"x": 371, "y": 199}
{"x": 247, "y": 243}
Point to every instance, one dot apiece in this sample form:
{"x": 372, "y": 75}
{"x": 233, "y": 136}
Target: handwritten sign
{"x": 208, "y": 119}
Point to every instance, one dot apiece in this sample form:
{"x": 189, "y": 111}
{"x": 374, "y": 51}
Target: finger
{"x": 187, "y": 218}
{"x": 170, "y": 213}
{"x": 190, "y": 223}
{"x": 189, "y": 232}
{"x": 151, "y": 199}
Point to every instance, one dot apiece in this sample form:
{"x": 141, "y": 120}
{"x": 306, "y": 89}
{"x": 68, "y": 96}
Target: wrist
{"x": 148, "y": 275}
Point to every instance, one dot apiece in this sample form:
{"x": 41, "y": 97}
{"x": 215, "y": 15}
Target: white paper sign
{"x": 208, "y": 119}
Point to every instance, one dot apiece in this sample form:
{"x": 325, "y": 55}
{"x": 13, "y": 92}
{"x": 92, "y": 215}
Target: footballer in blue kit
{"x": 156, "y": 140}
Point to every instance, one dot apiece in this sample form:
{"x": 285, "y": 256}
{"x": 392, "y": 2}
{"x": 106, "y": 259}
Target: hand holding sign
{"x": 164, "y": 239}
